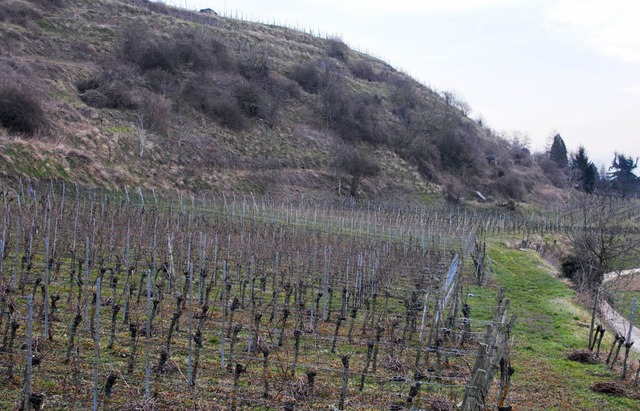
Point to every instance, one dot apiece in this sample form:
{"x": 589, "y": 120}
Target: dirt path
{"x": 619, "y": 275}
{"x": 619, "y": 324}
{"x": 613, "y": 318}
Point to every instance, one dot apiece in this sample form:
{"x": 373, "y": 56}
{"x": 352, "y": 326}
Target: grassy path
{"x": 550, "y": 324}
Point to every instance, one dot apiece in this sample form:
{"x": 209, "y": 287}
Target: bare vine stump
{"x": 345, "y": 381}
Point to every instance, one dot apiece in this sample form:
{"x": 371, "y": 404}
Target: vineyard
{"x": 135, "y": 301}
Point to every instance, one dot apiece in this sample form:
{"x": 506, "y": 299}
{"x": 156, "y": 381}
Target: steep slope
{"x": 139, "y": 93}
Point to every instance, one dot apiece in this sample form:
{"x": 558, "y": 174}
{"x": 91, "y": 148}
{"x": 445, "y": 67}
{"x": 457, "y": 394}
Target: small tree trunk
{"x": 613, "y": 346}
{"x": 234, "y": 306}
{"x": 236, "y": 379}
{"x": 330, "y": 308}
{"x": 14, "y": 325}
{"x": 345, "y": 381}
{"x": 174, "y": 322}
{"x": 627, "y": 347}
{"x": 593, "y": 319}
{"x": 311, "y": 387}
{"x": 197, "y": 339}
{"x": 115, "y": 308}
{"x": 601, "y": 331}
{"x": 72, "y": 334}
{"x": 615, "y": 359}
{"x": 354, "y": 313}
{"x": 296, "y": 351}
{"x": 379, "y": 331}
{"x": 414, "y": 391}
{"x": 335, "y": 333}
{"x": 285, "y": 315}
{"x": 265, "y": 371}
{"x": 366, "y": 366}
{"x": 234, "y": 339}
{"x": 133, "y": 333}
{"x": 365, "y": 322}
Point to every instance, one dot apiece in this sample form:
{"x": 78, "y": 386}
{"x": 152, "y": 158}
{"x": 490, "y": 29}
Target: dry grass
{"x": 270, "y": 111}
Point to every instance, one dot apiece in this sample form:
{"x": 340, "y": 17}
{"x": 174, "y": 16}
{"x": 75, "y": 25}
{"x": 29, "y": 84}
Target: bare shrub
{"x": 454, "y": 100}
{"x": 254, "y": 65}
{"x": 337, "y": 49}
{"x": 180, "y": 13}
{"x": 282, "y": 87}
{"x": 555, "y": 174}
{"x": 250, "y": 99}
{"x": 201, "y": 50}
{"x": 18, "y": 12}
{"x": 276, "y": 91}
{"x": 50, "y": 3}
{"x": 357, "y": 164}
{"x": 139, "y": 47}
{"x": 161, "y": 81}
{"x": 522, "y": 157}
{"x": 364, "y": 70}
{"x": 459, "y": 153}
{"x": 307, "y": 76}
{"x": 229, "y": 115}
{"x": 216, "y": 98}
{"x": 190, "y": 49}
{"x": 355, "y": 117}
{"x": 156, "y": 110}
{"x": 20, "y": 110}
{"x": 420, "y": 150}
{"x": 404, "y": 96}
{"x": 118, "y": 83}
{"x": 454, "y": 190}
{"x": 95, "y": 98}
{"x": 512, "y": 186}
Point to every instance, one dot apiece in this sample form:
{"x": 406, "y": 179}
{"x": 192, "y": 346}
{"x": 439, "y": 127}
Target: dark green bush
{"x": 570, "y": 266}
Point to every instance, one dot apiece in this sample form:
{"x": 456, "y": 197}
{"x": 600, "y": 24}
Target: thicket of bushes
{"x": 150, "y": 72}
{"x": 235, "y": 86}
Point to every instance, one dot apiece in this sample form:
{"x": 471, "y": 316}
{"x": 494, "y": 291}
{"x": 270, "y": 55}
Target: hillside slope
{"x": 141, "y": 94}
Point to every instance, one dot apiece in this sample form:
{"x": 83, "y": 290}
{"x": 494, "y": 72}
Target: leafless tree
{"x": 603, "y": 233}
{"x": 356, "y": 164}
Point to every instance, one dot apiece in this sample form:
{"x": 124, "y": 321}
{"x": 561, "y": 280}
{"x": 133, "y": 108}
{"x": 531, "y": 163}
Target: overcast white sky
{"x": 531, "y": 66}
